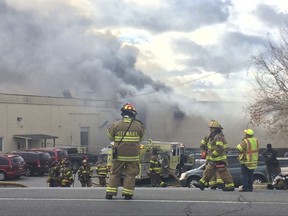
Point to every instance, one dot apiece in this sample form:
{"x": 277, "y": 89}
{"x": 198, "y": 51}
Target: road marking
{"x": 147, "y": 201}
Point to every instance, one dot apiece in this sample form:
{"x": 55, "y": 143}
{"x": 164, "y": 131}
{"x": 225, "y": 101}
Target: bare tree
{"x": 269, "y": 106}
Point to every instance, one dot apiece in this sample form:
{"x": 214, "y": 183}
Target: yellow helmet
{"x": 214, "y": 124}
{"x": 249, "y": 132}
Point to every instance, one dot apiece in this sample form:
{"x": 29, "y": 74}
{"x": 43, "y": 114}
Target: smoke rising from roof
{"x": 46, "y": 52}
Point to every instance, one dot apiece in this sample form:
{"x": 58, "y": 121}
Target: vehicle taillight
{"x": 38, "y": 163}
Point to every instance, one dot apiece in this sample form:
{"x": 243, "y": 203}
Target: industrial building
{"x": 29, "y": 121}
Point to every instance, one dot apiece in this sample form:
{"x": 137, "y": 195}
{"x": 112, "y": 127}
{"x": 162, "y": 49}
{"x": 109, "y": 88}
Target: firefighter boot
{"x": 199, "y": 185}
{"x": 228, "y": 189}
{"x": 126, "y": 197}
{"x": 108, "y": 197}
{"x": 213, "y": 187}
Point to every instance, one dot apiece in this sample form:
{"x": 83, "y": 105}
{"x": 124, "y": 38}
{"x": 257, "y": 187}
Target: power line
{"x": 190, "y": 81}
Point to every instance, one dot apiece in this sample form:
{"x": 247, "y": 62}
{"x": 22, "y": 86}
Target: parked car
{"x": 188, "y": 178}
{"x": 283, "y": 162}
{"x": 76, "y": 157}
{"x": 37, "y": 162}
{"x": 12, "y": 166}
{"x": 56, "y": 154}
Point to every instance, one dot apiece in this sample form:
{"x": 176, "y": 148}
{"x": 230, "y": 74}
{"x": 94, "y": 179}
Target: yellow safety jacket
{"x": 248, "y": 152}
{"x": 155, "y": 166}
{"x": 216, "y": 147}
{"x": 128, "y": 149}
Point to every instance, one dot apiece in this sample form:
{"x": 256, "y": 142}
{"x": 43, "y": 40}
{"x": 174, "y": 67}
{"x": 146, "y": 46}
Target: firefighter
{"x": 155, "y": 169}
{"x": 66, "y": 174}
{"x": 102, "y": 172}
{"x": 216, "y": 181}
{"x": 85, "y": 174}
{"x": 126, "y": 135}
{"x": 53, "y": 178}
{"x": 248, "y": 158}
{"x": 216, "y": 158}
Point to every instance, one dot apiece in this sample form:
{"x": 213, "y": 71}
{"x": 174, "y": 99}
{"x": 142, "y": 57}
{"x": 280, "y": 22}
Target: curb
{"x": 11, "y": 184}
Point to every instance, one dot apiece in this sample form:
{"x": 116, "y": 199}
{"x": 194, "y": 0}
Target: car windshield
{"x": 17, "y": 159}
{"x": 62, "y": 154}
{"x": 51, "y": 153}
{"x": 45, "y": 156}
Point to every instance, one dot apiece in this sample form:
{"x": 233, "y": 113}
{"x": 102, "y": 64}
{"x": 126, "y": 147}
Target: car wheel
{"x": 258, "y": 179}
{"x": 192, "y": 180}
{"x": 2, "y": 176}
{"x": 29, "y": 171}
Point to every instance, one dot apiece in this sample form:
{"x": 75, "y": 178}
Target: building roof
{"x": 35, "y": 136}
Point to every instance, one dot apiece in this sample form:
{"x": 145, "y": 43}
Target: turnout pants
{"x": 210, "y": 171}
{"x": 127, "y": 170}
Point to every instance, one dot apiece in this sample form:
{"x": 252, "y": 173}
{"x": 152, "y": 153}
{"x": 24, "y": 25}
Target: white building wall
{"x": 58, "y": 117}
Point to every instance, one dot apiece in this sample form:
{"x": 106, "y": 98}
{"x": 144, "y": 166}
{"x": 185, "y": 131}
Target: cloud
{"x": 230, "y": 54}
{"x": 271, "y": 15}
{"x": 170, "y": 15}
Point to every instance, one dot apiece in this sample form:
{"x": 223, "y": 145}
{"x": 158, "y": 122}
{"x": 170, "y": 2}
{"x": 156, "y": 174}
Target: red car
{"x": 12, "y": 166}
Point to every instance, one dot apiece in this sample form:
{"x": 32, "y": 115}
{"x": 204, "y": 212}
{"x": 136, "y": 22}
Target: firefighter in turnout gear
{"x": 216, "y": 157}
{"x": 85, "y": 174}
{"x": 102, "y": 172}
{"x": 53, "y": 178}
{"x": 66, "y": 174}
{"x": 155, "y": 169}
{"x": 126, "y": 134}
{"x": 216, "y": 180}
{"x": 248, "y": 158}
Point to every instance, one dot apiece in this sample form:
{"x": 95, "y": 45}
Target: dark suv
{"x": 37, "y": 162}
{"x": 11, "y": 166}
{"x": 56, "y": 154}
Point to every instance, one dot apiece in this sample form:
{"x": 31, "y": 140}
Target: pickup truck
{"x": 76, "y": 158}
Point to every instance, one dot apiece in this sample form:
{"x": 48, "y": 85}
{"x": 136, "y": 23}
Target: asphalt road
{"x": 147, "y": 201}
{"x": 39, "y": 200}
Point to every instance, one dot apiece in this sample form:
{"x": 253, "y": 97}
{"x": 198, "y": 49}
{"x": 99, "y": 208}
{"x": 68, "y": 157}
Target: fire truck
{"x": 171, "y": 155}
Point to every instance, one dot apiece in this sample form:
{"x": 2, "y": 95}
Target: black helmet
{"x": 128, "y": 109}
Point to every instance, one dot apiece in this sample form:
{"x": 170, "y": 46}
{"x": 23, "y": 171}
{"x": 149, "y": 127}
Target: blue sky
{"x": 111, "y": 49}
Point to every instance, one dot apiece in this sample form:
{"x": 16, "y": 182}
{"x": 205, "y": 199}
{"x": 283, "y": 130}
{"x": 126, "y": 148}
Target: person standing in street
{"x": 216, "y": 159}
{"x": 272, "y": 164}
{"x": 66, "y": 174}
{"x": 85, "y": 174}
{"x": 102, "y": 172}
{"x": 248, "y": 158}
{"x": 126, "y": 134}
{"x": 53, "y": 178}
{"x": 155, "y": 169}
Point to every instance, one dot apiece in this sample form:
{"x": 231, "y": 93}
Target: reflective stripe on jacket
{"x": 128, "y": 150}
{"x": 248, "y": 150}
{"x": 155, "y": 165}
{"x": 217, "y": 148}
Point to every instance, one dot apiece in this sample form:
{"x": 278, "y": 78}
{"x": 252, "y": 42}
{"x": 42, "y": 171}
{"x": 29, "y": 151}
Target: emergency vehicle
{"x": 170, "y": 155}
